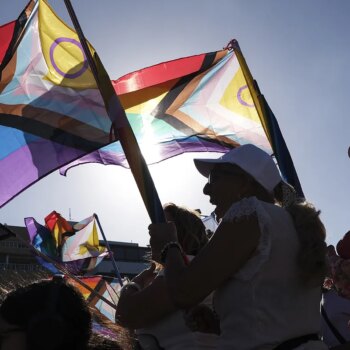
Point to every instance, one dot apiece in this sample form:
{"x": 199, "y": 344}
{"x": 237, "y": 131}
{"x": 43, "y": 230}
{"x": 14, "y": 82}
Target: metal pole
{"x": 109, "y": 251}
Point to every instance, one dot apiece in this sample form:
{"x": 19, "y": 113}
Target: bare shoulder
{"x": 244, "y": 231}
{"x": 228, "y": 250}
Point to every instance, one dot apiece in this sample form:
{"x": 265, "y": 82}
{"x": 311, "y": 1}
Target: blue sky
{"x": 298, "y": 52}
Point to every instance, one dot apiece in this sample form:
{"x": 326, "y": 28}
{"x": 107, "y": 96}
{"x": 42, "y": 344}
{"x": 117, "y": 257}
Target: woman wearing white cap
{"x": 265, "y": 262}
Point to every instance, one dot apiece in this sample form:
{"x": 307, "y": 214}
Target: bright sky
{"x": 297, "y": 50}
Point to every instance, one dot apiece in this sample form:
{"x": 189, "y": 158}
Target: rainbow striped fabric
{"x": 52, "y": 114}
{"x": 84, "y": 243}
{"x": 6, "y": 34}
{"x": 10, "y": 32}
{"x": 108, "y": 287}
{"x": 75, "y": 248}
{"x": 193, "y": 104}
{"x": 51, "y": 111}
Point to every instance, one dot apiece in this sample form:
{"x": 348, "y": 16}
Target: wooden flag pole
{"x": 122, "y": 129}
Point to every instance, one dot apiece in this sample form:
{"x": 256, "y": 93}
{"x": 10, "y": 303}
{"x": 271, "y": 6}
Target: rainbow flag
{"x": 195, "y": 104}
{"x": 41, "y": 239}
{"x": 51, "y": 111}
{"x": 203, "y": 103}
{"x": 91, "y": 281}
{"x": 111, "y": 293}
{"x": 84, "y": 243}
{"x": 108, "y": 287}
{"x": 58, "y": 226}
{"x": 6, "y": 34}
{"x": 11, "y": 32}
{"x": 75, "y": 248}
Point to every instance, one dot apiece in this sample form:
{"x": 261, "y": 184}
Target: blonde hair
{"x": 312, "y": 259}
{"x": 190, "y": 228}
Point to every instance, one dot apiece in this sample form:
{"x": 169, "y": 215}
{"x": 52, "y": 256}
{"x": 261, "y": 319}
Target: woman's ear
{"x": 246, "y": 187}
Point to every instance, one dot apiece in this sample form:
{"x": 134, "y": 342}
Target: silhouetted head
{"x": 48, "y": 315}
{"x": 190, "y": 228}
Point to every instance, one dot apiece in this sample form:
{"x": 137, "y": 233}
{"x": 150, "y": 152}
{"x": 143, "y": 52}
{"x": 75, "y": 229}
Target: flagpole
{"x": 109, "y": 251}
{"x": 233, "y": 45}
{"x": 123, "y": 129}
{"x": 269, "y": 123}
{"x": 37, "y": 252}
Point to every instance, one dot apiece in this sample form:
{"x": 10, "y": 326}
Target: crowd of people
{"x": 264, "y": 280}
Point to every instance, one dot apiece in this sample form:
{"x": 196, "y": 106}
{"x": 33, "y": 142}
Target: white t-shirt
{"x": 264, "y": 304}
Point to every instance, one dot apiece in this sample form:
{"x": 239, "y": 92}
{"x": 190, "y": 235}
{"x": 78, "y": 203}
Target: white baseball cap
{"x": 249, "y": 158}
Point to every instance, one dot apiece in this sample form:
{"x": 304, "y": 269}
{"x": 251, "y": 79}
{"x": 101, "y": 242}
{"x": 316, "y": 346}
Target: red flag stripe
{"x": 6, "y": 33}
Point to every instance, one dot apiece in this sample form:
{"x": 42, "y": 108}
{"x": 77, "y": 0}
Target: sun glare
{"x": 150, "y": 151}
{"x": 149, "y": 143}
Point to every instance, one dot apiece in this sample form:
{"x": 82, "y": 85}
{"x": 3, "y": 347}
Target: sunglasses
{"x": 216, "y": 174}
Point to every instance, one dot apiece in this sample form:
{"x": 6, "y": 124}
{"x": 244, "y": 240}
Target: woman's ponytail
{"x": 311, "y": 232}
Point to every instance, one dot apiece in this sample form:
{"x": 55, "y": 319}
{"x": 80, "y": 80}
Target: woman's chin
{"x": 219, "y": 214}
